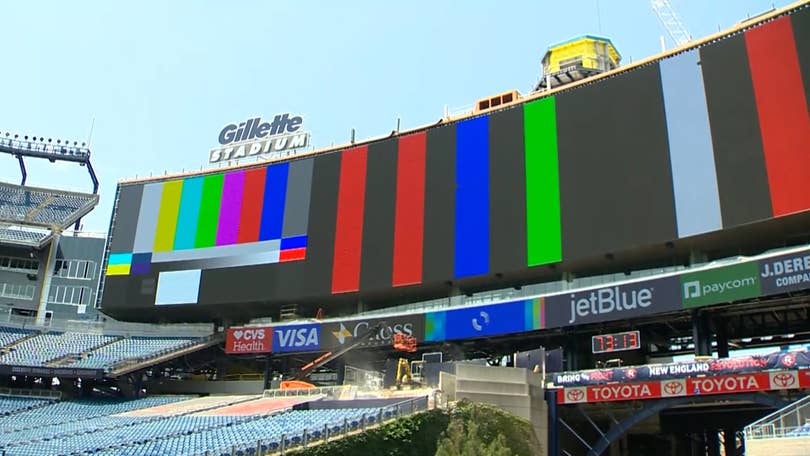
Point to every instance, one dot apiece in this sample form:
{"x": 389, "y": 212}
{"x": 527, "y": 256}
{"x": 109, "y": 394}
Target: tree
{"x": 463, "y": 439}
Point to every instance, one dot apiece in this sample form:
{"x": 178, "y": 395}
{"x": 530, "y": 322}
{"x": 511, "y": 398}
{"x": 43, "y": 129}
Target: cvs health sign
{"x": 297, "y": 338}
{"x": 249, "y": 339}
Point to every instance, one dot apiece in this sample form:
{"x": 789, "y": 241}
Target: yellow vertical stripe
{"x": 167, "y": 217}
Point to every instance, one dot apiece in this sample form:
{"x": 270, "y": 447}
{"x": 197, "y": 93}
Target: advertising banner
{"x": 719, "y": 285}
{"x": 297, "y": 338}
{"x": 742, "y": 364}
{"x": 480, "y": 321}
{"x": 721, "y": 384}
{"x": 618, "y": 302}
{"x": 336, "y": 335}
{"x": 785, "y": 273}
{"x": 250, "y": 339}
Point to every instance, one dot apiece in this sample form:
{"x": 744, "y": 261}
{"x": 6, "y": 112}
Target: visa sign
{"x": 297, "y": 338}
{"x": 251, "y": 339}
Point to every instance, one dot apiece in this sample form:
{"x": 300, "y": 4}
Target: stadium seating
{"x": 39, "y": 350}
{"x": 135, "y": 348}
{"x": 42, "y": 206}
{"x": 15, "y": 235}
{"x": 104, "y": 427}
{"x": 10, "y": 335}
{"x": 10, "y": 405}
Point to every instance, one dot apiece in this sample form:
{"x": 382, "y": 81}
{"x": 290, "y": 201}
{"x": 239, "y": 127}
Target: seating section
{"x": 15, "y": 235}
{"x": 10, "y": 335}
{"x": 10, "y": 404}
{"x": 113, "y": 427}
{"x": 91, "y": 351}
{"x": 39, "y": 350}
{"x": 135, "y": 349}
{"x": 43, "y": 206}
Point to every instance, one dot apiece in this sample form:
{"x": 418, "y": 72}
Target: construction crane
{"x": 671, "y": 22}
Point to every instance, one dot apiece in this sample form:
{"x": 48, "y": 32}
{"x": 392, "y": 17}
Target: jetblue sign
{"x": 254, "y": 137}
{"x": 297, "y": 338}
{"x": 617, "y": 302}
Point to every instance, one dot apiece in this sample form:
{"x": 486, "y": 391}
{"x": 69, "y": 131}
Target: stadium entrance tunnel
{"x": 679, "y": 426}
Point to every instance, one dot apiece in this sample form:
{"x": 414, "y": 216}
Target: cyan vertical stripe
{"x": 230, "y": 208}
{"x": 189, "y": 214}
{"x": 472, "y": 198}
{"x": 275, "y": 192}
{"x": 148, "y": 218}
{"x": 694, "y": 180}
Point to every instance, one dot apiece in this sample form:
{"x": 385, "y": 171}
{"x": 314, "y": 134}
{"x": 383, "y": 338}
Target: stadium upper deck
{"x": 700, "y": 153}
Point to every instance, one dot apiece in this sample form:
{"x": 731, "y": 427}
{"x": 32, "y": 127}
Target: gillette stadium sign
{"x": 255, "y": 137}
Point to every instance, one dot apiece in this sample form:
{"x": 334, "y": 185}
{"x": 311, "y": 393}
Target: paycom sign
{"x": 715, "y": 286}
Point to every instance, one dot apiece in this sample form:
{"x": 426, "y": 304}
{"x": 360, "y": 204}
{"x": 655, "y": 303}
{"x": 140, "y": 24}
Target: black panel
{"x": 377, "y": 257}
{"x": 615, "y": 176}
{"x": 440, "y": 204}
{"x": 321, "y": 229}
{"x": 507, "y": 198}
{"x": 801, "y": 35}
{"x": 741, "y": 174}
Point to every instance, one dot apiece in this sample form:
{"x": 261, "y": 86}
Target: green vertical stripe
{"x": 209, "y": 211}
{"x": 167, "y": 216}
{"x": 543, "y": 237}
{"x": 533, "y": 315}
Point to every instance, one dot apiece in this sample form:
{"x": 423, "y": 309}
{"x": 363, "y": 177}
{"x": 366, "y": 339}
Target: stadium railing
{"x": 19, "y": 392}
{"x": 329, "y": 431}
{"x": 790, "y": 421}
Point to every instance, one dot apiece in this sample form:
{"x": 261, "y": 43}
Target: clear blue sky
{"x": 161, "y": 78}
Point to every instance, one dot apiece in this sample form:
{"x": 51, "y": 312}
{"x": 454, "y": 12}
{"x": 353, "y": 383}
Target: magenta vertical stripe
{"x": 230, "y": 208}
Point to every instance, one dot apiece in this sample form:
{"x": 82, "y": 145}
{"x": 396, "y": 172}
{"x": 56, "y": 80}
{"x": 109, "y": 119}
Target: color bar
{"x": 292, "y": 254}
{"x": 783, "y": 113}
{"x": 190, "y": 201}
{"x": 209, "y": 211}
{"x": 230, "y": 208}
{"x": 349, "y": 223}
{"x": 435, "y": 326}
{"x": 250, "y": 218}
{"x": 534, "y": 317}
{"x": 167, "y": 217}
{"x": 543, "y": 232}
{"x": 275, "y": 191}
{"x": 472, "y": 198}
{"x": 694, "y": 178}
{"x": 410, "y": 210}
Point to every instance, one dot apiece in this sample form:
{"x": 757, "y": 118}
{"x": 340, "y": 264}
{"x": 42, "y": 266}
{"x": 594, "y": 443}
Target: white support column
{"x": 46, "y": 281}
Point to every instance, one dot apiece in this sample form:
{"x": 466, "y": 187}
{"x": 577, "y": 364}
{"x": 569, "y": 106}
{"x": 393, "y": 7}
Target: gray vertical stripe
{"x": 147, "y": 218}
{"x": 296, "y": 204}
{"x": 122, "y": 239}
{"x": 694, "y": 179}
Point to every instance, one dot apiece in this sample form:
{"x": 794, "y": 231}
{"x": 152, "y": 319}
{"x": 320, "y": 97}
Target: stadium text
{"x": 607, "y": 300}
{"x": 253, "y": 137}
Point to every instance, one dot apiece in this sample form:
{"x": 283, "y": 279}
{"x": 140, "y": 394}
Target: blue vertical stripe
{"x": 189, "y": 213}
{"x": 275, "y": 192}
{"x": 472, "y": 198}
{"x": 694, "y": 179}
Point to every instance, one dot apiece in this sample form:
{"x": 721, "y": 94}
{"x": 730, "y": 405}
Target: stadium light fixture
{"x": 37, "y": 147}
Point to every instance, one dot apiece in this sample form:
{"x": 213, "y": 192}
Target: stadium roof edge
{"x": 740, "y": 26}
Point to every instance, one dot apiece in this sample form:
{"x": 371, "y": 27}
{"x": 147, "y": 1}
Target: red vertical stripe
{"x": 349, "y": 223}
{"x": 410, "y": 210}
{"x": 250, "y": 218}
{"x": 783, "y": 118}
